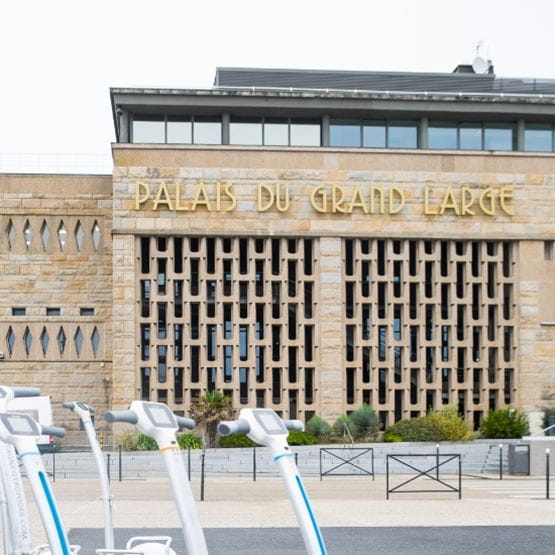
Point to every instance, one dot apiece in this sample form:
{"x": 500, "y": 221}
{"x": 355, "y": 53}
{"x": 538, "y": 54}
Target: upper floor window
{"x": 470, "y": 136}
{"x": 304, "y": 133}
{"x": 538, "y": 138}
{"x": 177, "y": 130}
{"x": 499, "y": 136}
{"x": 245, "y": 131}
{"x": 149, "y": 129}
{"x": 274, "y": 132}
{"x": 374, "y": 134}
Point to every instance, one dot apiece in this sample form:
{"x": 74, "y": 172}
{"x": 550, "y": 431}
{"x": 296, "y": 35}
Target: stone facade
{"x": 55, "y": 260}
{"x": 107, "y": 278}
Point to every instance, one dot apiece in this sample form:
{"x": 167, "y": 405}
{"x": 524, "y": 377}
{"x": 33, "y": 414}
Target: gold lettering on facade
{"x": 201, "y": 198}
{"x": 228, "y": 192}
{"x": 325, "y": 199}
{"x": 449, "y": 202}
{"x": 142, "y": 193}
{"x": 487, "y": 196}
{"x": 277, "y": 196}
{"x": 320, "y": 204}
{"x": 162, "y": 197}
{"x": 395, "y": 192}
{"x": 178, "y": 206}
{"x": 505, "y": 194}
{"x": 467, "y": 200}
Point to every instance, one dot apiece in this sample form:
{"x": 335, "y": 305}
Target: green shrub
{"x": 127, "y": 440}
{"x": 451, "y": 424}
{"x": 132, "y": 441}
{"x": 146, "y": 443}
{"x": 338, "y": 428}
{"x": 241, "y": 440}
{"x": 236, "y": 440}
{"x": 365, "y": 420}
{"x": 444, "y": 425}
{"x": 504, "y": 424}
{"x": 189, "y": 440}
{"x": 318, "y": 427}
{"x": 547, "y": 412}
{"x": 390, "y": 437}
{"x": 301, "y": 438}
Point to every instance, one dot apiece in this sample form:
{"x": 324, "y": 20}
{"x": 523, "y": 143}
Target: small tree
{"x": 318, "y": 427}
{"x": 210, "y": 409}
{"x": 504, "y": 423}
{"x": 366, "y": 421}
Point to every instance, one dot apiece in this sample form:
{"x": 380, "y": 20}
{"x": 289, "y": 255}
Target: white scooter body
{"x": 158, "y": 422}
{"x": 22, "y": 431}
{"x": 265, "y": 427}
{"x": 151, "y": 545}
{"x": 15, "y": 521}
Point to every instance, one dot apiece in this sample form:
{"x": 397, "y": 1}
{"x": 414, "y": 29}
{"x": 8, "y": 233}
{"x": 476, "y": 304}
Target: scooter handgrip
{"x": 127, "y": 416}
{"x": 294, "y": 425}
{"x": 53, "y": 431}
{"x": 26, "y": 391}
{"x": 234, "y": 427}
{"x": 68, "y": 405}
{"x": 183, "y": 422}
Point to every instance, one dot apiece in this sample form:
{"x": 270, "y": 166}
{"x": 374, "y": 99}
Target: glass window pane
{"x": 538, "y": 138}
{"x": 207, "y": 131}
{"x": 276, "y": 132}
{"x": 245, "y": 132}
{"x": 373, "y": 134}
{"x": 179, "y": 130}
{"x": 470, "y": 136}
{"x": 148, "y": 130}
{"x": 498, "y": 137}
{"x": 402, "y": 135}
{"x": 442, "y": 136}
{"x": 305, "y": 133}
{"x": 345, "y": 133}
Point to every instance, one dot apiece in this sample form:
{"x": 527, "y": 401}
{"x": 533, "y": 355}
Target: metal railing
{"x": 431, "y": 472}
{"x": 56, "y": 163}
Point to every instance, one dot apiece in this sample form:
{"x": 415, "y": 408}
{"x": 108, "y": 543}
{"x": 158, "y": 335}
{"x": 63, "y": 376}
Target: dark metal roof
{"x": 322, "y": 80}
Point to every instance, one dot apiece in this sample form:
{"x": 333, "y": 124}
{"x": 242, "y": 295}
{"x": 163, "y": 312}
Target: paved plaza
{"x": 493, "y": 516}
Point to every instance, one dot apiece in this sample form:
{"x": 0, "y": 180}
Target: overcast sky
{"x": 59, "y": 57}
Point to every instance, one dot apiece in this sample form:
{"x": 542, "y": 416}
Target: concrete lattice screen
{"x": 430, "y": 323}
{"x": 234, "y": 314}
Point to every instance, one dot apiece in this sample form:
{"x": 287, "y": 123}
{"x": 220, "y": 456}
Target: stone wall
{"x": 55, "y": 260}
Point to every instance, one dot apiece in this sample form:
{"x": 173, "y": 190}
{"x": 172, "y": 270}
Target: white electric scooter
{"x": 157, "y": 421}
{"x": 265, "y": 427}
{"x": 23, "y": 432}
{"x": 15, "y": 521}
{"x": 156, "y": 544}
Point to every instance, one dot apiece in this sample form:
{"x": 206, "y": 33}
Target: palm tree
{"x": 212, "y": 407}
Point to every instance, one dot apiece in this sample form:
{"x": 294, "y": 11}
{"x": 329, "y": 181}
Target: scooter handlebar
{"x": 26, "y": 391}
{"x": 72, "y": 404}
{"x": 294, "y": 425}
{"x": 53, "y": 431}
{"x": 183, "y": 422}
{"x": 233, "y": 427}
{"x": 127, "y": 416}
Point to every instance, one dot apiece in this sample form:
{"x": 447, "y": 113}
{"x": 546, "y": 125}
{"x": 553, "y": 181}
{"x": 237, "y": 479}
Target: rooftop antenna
{"x": 480, "y": 64}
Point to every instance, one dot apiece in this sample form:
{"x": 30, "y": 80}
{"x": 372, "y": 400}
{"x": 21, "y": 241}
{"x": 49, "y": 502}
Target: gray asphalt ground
{"x": 470, "y": 540}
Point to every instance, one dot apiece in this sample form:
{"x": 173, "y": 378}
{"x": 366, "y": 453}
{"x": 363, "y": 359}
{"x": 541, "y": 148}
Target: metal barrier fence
{"x": 348, "y": 457}
{"x": 431, "y": 472}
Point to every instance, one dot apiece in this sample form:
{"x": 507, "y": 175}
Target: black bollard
{"x": 202, "y": 477}
{"x": 547, "y": 452}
